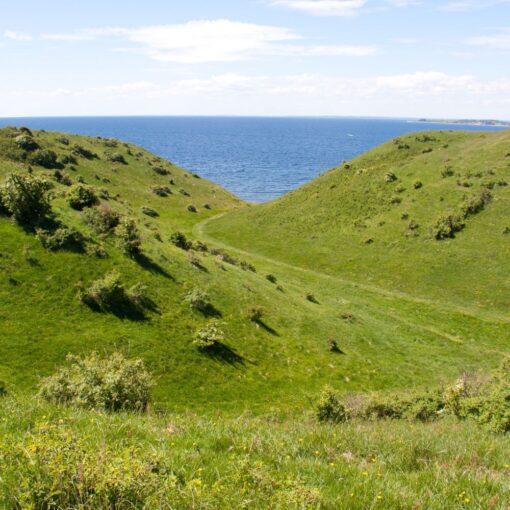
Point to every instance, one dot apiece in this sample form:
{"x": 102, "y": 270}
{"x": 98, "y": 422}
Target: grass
{"x": 277, "y": 461}
{"x": 232, "y": 427}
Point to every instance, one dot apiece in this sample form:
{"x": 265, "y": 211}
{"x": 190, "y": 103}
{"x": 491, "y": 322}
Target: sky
{"x": 389, "y": 58}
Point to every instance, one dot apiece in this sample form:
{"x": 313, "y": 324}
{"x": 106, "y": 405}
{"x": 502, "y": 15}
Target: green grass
{"x": 233, "y": 429}
{"x": 280, "y": 462}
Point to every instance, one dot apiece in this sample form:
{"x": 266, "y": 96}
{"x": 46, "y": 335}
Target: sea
{"x": 257, "y": 158}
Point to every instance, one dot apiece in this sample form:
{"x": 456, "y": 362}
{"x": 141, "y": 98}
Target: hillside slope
{"x": 376, "y": 220}
{"x": 279, "y": 360}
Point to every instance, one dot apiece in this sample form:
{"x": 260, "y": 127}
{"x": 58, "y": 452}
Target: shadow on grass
{"x": 267, "y": 328}
{"x": 123, "y": 309}
{"x": 148, "y": 264}
{"x": 224, "y": 354}
{"x": 211, "y": 311}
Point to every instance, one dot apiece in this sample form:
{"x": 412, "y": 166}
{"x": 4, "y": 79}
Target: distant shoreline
{"x": 465, "y": 122}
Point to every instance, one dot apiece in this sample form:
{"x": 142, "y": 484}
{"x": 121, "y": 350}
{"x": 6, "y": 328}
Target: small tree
{"x": 329, "y": 408}
{"x": 129, "y": 237}
{"x": 26, "y": 198}
{"x": 198, "y": 300}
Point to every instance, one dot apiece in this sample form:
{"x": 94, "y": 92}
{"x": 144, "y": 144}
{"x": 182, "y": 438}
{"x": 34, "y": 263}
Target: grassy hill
{"x": 342, "y": 282}
{"x": 373, "y": 221}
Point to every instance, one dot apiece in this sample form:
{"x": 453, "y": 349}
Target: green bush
{"x": 417, "y": 185}
{"x": 161, "y": 191}
{"x": 26, "y": 198}
{"x": 80, "y": 196}
{"x": 271, "y": 278}
{"x": 209, "y": 337}
{"x": 129, "y": 237}
{"x": 63, "y": 238}
{"x": 180, "y": 240}
{"x": 390, "y": 177}
{"x": 44, "y": 158}
{"x": 112, "y": 383}
{"x": 255, "y": 313}
{"x": 26, "y": 142}
{"x": 198, "y": 300}
{"x": 160, "y": 171}
{"x": 103, "y": 219}
{"x": 476, "y": 203}
{"x": 329, "y": 408}
{"x": 80, "y": 151}
{"x": 447, "y": 226}
{"x": 62, "y": 178}
{"x": 116, "y": 157}
{"x": 106, "y": 294}
{"x": 148, "y": 211}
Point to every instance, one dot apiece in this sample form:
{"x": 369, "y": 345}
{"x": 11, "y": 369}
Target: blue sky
{"x": 400, "y": 58}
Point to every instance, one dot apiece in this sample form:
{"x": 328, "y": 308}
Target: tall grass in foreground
{"x": 59, "y": 458}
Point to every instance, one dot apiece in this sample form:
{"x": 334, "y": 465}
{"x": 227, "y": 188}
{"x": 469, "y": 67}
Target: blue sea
{"x": 256, "y": 158}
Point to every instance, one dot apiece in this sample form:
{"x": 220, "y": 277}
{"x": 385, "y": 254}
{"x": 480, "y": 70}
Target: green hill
{"x": 349, "y": 281}
{"x": 384, "y": 303}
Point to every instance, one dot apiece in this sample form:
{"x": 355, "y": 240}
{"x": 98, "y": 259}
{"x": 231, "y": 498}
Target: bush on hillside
{"x": 80, "y": 196}
{"x": 26, "y": 198}
{"x": 161, "y": 191}
{"x": 103, "y": 219}
{"x": 83, "y": 152}
{"x": 198, "y": 300}
{"x": 209, "y": 337}
{"x": 44, "y": 158}
{"x": 447, "y": 226}
{"x": 105, "y": 294}
{"x": 148, "y": 211}
{"x": 160, "y": 170}
{"x": 112, "y": 383}
{"x": 116, "y": 157}
{"x": 255, "y": 313}
{"x": 417, "y": 185}
{"x": 329, "y": 408}
{"x": 63, "y": 238}
{"x": 130, "y": 240}
{"x": 180, "y": 240}
{"x": 476, "y": 203}
{"x": 191, "y": 208}
{"x": 63, "y": 140}
{"x": 62, "y": 178}
{"x": 271, "y": 278}
{"x": 26, "y": 142}
{"x": 390, "y": 177}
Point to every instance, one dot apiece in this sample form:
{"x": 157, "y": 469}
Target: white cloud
{"x": 500, "y": 41}
{"x": 17, "y": 36}
{"x": 205, "y": 41}
{"x": 338, "y": 7}
{"x": 469, "y": 5}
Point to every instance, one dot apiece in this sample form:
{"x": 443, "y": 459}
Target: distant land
{"x": 469, "y": 122}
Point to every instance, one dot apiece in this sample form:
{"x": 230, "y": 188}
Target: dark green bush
{"x": 116, "y": 157}
{"x": 390, "y": 177}
{"x": 103, "y": 219}
{"x": 447, "y": 226}
{"x": 180, "y": 240}
{"x": 26, "y": 142}
{"x": 161, "y": 191}
{"x": 417, "y": 185}
{"x": 112, "y": 383}
{"x": 83, "y": 152}
{"x": 63, "y": 238}
{"x": 105, "y": 294}
{"x": 191, "y": 208}
{"x": 148, "y": 211}
{"x": 271, "y": 278}
{"x": 26, "y": 198}
{"x": 44, "y": 158}
{"x": 62, "y": 178}
{"x": 255, "y": 313}
{"x": 476, "y": 203}
{"x": 160, "y": 170}
{"x": 129, "y": 237}
{"x": 81, "y": 196}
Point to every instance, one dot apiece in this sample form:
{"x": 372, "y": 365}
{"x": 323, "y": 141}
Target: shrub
{"x": 148, "y": 211}
{"x": 112, "y": 383}
{"x": 63, "y": 238}
{"x": 390, "y": 177}
{"x": 246, "y": 266}
{"x": 476, "y": 203}
{"x": 160, "y": 171}
{"x": 26, "y": 198}
{"x": 417, "y": 185}
{"x": 447, "y": 172}
{"x": 333, "y": 346}
{"x": 63, "y": 140}
{"x": 209, "y": 337}
{"x": 62, "y": 178}
{"x": 179, "y": 239}
{"x": 129, "y": 237}
{"x": 311, "y": 298}
{"x": 191, "y": 208}
{"x": 255, "y": 313}
{"x": 106, "y": 294}
{"x": 271, "y": 278}
{"x": 200, "y": 246}
{"x": 80, "y": 151}
{"x": 44, "y": 158}
{"x": 102, "y": 218}
{"x": 161, "y": 191}
{"x": 26, "y": 142}
{"x": 80, "y": 196}
{"x": 447, "y": 226}
{"x": 110, "y": 142}
{"x": 116, "y": 157}
{"x": 198, "y": 300}
{"x": 67, "y": 159}
{"x": 329, "y": 408}
{"x": 137, "y": 294}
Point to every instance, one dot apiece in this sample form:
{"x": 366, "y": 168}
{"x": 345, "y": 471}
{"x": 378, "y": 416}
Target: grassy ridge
{"x": 370, "y": 221}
